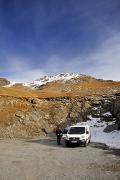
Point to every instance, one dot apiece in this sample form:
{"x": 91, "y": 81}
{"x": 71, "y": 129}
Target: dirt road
{"x": 44, "y": 160}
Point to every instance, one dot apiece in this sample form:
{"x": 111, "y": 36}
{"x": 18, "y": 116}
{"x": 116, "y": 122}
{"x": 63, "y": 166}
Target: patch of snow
{"x": 11, "y": 84}
{"x": 107, "y": 114}
{"x": 107, "y": 101}
{"x": 95, "y": 108}
{"x": 111, "y": 139}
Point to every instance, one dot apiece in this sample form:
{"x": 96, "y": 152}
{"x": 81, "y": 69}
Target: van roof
{"x": 80, "y": 126}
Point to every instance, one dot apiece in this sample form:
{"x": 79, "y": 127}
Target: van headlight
{"x": 65, "y": 136}
{"x": 82, "y": 137}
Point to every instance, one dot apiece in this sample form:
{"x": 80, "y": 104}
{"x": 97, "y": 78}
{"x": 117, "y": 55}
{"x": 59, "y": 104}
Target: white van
{"x": 79, "y": 134}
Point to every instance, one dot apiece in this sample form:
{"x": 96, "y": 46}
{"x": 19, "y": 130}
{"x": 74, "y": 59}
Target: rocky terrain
{"x": 27, "y": 109}
{"x": 4, "y": 82}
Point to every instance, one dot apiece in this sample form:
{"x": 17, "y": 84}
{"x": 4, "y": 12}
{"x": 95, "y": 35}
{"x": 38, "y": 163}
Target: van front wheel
{"x": 66, "y": 144}
{"x": 85, "y": 143}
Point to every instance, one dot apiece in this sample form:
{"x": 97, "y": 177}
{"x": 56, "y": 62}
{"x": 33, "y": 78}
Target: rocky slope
{"x": 26, "y": 111}
{"x": 4, "y": 82}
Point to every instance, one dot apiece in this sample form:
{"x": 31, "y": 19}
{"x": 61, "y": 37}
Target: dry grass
{"x": 59, "y": 89}
{"x": 17, "y": 92}
{"x": 8, "y": 110}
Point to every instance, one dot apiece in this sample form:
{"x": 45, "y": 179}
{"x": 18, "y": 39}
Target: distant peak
{"x": 59, "y": 77}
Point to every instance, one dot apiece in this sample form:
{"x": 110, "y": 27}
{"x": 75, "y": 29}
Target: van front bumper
{"x": 75, "y": 141}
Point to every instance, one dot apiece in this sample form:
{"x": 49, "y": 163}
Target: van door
{"x": 87, "y": 135}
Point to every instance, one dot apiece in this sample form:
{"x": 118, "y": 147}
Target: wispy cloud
{"x": 102, "y": 62}
{"x": 19, "y": 70}
{"x": 105, "y": 60}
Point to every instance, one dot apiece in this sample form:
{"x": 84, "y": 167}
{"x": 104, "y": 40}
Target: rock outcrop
{"x": 4, "y": 82}
{"x": 26, "y": 117}
{"x": 116, "y": 109}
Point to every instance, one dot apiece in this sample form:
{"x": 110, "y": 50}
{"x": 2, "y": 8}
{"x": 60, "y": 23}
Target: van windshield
{"x": 65, "y": 131}
{"x": 77, "y": 130}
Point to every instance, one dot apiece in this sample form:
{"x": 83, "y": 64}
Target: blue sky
{"x": 47, "y": 37}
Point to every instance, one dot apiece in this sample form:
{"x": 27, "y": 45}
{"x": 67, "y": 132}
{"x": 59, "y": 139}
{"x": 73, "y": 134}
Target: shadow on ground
{"x": 99, "y": 145}
{"x": 107, "y": 149}
{"x": 51, "y": 140}
{"x": 111, "y": 128}
{"x": 114, "y": 151}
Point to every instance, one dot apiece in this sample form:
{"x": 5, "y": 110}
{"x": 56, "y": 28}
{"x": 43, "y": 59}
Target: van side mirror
{"x": 87, "y": 132}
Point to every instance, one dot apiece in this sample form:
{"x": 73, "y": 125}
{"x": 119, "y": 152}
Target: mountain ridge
{"x": 48, "y": 79}
{"x": 62, "y": 85}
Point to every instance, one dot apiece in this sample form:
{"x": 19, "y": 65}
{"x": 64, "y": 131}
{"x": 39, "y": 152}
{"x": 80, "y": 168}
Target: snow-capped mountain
{"x": 46, "y": 79}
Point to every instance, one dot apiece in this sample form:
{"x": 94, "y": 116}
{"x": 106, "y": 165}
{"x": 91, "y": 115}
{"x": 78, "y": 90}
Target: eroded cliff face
{"x": 26, "y": 117}
{"x": 116, "y": 109}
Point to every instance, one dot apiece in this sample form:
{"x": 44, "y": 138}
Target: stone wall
{"x": 116, "y": 109}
